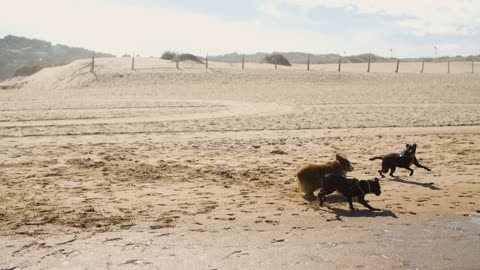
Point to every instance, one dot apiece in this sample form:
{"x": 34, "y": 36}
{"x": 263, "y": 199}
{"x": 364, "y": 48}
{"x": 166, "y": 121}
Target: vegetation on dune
{"x": 169, "y": 55}
{"x": 301, "y": 58}
{"x": 277, "y": 59}
{"x": 189, "y": 57}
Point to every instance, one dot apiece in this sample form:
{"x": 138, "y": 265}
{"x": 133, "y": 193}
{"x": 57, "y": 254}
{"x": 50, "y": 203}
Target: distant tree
{"x": 277, "y": 59}
{"x": 190, "y": 57}
{"x": 168, "y": 55}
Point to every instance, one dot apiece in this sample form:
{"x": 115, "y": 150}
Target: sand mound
{"x": 75, "y": 74}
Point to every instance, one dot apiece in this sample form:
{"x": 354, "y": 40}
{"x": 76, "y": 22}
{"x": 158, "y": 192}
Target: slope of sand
{"x": 159, "y": 168}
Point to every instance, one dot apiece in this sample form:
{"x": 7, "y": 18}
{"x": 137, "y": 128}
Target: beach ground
{"x": 159, "y": 168}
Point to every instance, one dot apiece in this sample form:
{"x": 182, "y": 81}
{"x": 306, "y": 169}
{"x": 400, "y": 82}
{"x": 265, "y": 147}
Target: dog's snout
{"x": 378, "y": 193}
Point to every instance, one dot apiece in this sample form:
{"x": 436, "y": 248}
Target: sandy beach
{"x": 159, "y": 168}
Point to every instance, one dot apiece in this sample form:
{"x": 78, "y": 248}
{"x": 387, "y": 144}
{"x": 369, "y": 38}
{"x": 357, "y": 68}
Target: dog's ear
{"x": 340, "y": 157}
{"x": 408, "y": 145}
{"x": 376, "y": 180}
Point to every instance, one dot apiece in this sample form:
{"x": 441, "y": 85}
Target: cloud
{"x": 447, "y": 17}
{"x": 121, "y": 28}
{"x": 108, "y": 26}
{"x": 270, "y": 8}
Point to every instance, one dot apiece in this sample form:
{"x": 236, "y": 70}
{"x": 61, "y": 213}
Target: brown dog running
{"x": 310, "y": 176}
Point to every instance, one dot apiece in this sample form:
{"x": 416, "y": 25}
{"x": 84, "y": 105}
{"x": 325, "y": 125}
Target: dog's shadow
{"x": 430, "y": 185}
{"x": 360, "y": 212}
{"x": 339, "y": 213}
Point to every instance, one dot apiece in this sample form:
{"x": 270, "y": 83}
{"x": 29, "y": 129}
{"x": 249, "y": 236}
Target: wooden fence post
{"x": 448, "y": 67}
{"x": 340, "y": 64}
{"x": 206, "y": 61}
{"x": 423, "y": 65}
{"x": 92, "y": 67}
{"x": 368, "y": 69}
{"x": 275, "y": 62}
{"x": 133, "y": 62}
{"x": 398, "y": 64}
{"x": 308, "y": 63}
{"x": 243, "y": 61}
{"x": 472, "y": 66}
{"x": 176, "y": 62}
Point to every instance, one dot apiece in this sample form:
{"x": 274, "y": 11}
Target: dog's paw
{"x": 428, "y": 169}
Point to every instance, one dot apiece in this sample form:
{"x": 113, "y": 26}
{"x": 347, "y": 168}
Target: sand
{"x": 159, "y": 168}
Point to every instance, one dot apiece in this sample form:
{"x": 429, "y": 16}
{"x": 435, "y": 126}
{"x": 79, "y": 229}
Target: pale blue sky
{"x": 411, "y": 28}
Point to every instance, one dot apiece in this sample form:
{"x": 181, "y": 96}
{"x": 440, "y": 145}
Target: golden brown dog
{"x": 310, "y": 176}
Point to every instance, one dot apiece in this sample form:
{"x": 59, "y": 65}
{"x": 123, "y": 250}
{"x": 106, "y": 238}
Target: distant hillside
{"x": 301, "y": 58}
{"x": 23, "y": 53}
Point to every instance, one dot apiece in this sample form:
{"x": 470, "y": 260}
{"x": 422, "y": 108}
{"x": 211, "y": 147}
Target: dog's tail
{"x": 377, "y": 157}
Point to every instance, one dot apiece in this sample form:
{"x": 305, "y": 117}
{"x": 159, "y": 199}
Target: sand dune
{"x": 159, "y": 168}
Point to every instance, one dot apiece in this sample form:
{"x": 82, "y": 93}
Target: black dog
{"x": 402, "y": 160}
{"x": 350, "y": 187}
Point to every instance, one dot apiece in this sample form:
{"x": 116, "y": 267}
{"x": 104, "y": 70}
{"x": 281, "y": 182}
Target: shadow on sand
{"x": 360, "y": 212}
{"x": 339, "y": 213}
{"x": 430, "y": 185}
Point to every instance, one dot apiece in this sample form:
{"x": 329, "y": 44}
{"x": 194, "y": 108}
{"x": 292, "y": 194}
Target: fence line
{"x": 369, "y": 66}
{"x": 92, "y": 65}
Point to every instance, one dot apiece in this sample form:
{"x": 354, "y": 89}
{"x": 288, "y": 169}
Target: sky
{"x": 398, "y": 28}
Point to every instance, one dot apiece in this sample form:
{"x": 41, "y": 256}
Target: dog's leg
{"x": 392, "y": 170}
{"x": 385, "y": 168}
{"x": 351, "y": 204}
{"x": 411, "y": 171}
{"x": 361, "y": 199}
{"x": 321, "y": 197}
{"x": 415, "y": 162}
{"x": 323, "y": 194}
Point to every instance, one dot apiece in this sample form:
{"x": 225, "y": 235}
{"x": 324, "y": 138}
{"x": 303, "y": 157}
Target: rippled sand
{"x": 160, "y": 168}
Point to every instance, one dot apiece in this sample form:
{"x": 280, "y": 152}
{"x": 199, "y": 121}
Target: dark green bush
{"x": 277, "y": 59}
{"x": 168, "y": 55}
{"x": 190, "y": 57}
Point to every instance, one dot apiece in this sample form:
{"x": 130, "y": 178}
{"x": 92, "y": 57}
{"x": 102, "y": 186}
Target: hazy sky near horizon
{"x": 408, "y": 28}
